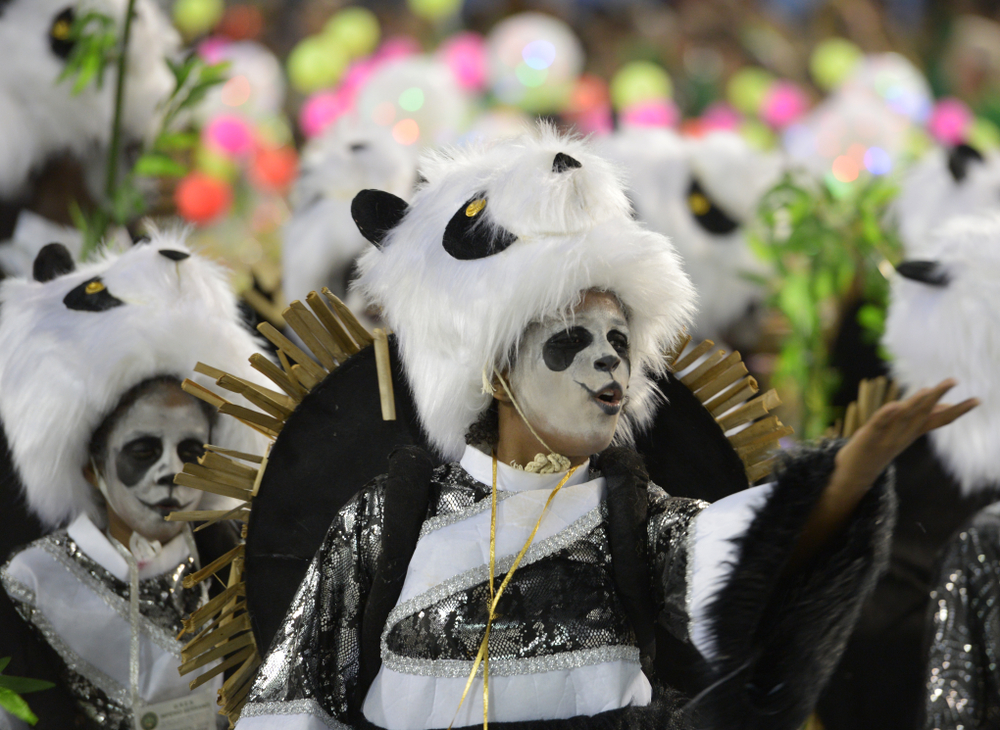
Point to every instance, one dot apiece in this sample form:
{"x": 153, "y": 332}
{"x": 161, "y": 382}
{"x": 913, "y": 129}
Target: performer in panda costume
{"x": 700, "y": 191}
{"x": 532, "y": 313}
{"x": 53, "y": 143}
{"x": 945, "y": 316}
{"x": 320, "y": 242}
{"x": 91, "y": 361}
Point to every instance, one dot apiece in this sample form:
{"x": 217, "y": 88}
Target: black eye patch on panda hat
{"x": 709, "y": 215}
{"x": 469, "y": 236}
{"x": 61, "y": 33}
{"x": 91, "y": 296}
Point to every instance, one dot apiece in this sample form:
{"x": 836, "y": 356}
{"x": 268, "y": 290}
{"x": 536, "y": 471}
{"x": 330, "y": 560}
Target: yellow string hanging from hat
{"x": 483, "y": 657}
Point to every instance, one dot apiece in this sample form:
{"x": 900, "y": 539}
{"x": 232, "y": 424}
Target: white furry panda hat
{"x": 320, "y": 242}
{"x": 701, "y": 192}
{"x": 73, "y": 342}
{"x": 501, "y": 236}
{"x": 946, "y": 183}
{"x": 40, "y": 117}
{"x": 944, "y": 322}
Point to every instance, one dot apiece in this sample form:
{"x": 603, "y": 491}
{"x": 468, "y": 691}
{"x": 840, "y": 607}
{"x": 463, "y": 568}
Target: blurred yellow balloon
{"x": 434, "y": 9}
{"x": 356, "y": 29}
{"x": 316, "y": 63}
{"x": 639, "y": 81}
{"x": 832, "y": 61}
{"x": 196, "y": 17}
{"x": 747, "y": 88}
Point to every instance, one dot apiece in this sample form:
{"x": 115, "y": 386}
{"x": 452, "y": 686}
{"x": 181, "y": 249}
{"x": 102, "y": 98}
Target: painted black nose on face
{"x": 174, "y": 255}
{"x": 608, "y": 364}
{"x": 564, "y": 162}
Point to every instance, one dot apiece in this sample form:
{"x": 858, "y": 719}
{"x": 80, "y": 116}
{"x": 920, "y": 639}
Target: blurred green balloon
{"x": 434, "y": 9}
{"x": 195, "y": 17}
{"x": 639, "y": 81}
{"x": 758, "y": 135}
{"x": 748, "y": 87}
{"x": 316, "y": 63}
{"x": 356, "y": 29}
{"x": 832, "y": 61}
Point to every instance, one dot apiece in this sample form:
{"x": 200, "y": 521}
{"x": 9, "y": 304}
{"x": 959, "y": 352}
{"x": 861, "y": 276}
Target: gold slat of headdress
{"x": 331, "y": 323}
{"x": 222, "y": 626}
{"x": 723, "y": 385}
{"x": 351, "y": 323}
{"x": 200, "y": 515}
{"x": 384, "y": 370}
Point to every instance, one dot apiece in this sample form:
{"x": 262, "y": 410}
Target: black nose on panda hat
{"x": 174, "y": 255}
{"x": 564, "y": 162}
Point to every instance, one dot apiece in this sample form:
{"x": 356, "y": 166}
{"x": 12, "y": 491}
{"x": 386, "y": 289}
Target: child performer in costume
{"x": 91, "y": 361}
{"x": 520, "y": 583}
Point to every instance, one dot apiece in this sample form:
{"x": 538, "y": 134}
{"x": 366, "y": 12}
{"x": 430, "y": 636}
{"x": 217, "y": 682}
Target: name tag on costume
{"x": 196, "y": 711}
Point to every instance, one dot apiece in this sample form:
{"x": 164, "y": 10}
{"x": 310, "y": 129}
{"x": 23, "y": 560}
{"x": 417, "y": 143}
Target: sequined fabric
{"x": 162, "y": 600}
{"x": 963, "y": 674}
{"x": 569, "y": 587}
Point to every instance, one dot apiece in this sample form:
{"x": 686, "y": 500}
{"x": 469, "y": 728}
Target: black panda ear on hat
{"x": 960, "y": 157}
{"x": 53, "y": 260}
{"x": 376, "y": 212}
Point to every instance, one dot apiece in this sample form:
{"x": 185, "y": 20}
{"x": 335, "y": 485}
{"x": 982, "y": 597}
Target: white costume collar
{"x": 509, "y": 479}
{"x": 96, "y": 545}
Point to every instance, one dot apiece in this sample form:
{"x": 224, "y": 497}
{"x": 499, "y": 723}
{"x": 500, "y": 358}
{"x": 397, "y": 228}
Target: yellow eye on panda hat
{"x": 74, "y": 340}
{"x": 500, "y": 236}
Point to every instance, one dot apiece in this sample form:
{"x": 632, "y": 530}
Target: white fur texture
{"x": 935, "y": 333}
{"x": 63, "y": 371}
{"x": 659, "y": 166}
{"x": 320, "y": 241}
{"x": 930, "y": 196}
{"x": 40, "y": 117}
{"x": 456, "y": 319}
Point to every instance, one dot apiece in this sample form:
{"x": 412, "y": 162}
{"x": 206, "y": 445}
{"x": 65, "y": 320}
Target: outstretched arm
{"x": 859, "y": 462}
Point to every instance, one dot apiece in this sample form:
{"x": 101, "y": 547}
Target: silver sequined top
{"x": 567, "y": 589}
{"x": 163, "y": 601}
{"x": 963, "y": 674}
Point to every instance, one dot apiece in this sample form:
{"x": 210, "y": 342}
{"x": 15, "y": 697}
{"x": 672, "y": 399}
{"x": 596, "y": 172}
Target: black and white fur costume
{"x": 53, "y": 143}
{"x": 369, "y": 644}
{"x": 69, "y": 351}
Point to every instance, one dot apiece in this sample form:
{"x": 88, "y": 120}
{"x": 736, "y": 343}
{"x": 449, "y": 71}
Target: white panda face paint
{"x": 149, "y": 444}
{"x": 571, "y": 375}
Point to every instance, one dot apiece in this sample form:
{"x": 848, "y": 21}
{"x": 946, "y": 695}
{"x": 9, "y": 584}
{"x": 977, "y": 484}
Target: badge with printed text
{"x": 196, "y": 711}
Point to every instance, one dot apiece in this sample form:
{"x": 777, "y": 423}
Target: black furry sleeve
{"x": 777, "y": 637}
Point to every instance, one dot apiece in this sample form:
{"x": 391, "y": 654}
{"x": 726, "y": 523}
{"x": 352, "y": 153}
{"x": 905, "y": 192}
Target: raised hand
{"x": 885, "y": 436}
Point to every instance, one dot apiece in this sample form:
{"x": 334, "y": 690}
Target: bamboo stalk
{"x": 763, "y": 443}
{"x": 202, "y": 393}
{"x": 384, "y": 370}
{"x": 186, "y": 479}
{"x": 216, "y": 637}
{"x": 751, "y": 410}
{"x": 764, "y": 425}
{"x": 215, "y": 566}
{"x": 260, "y": 477}
{"x": 709, "y": 376}
{"x": 276, "y": 375}
{"x": 217, "y": 653}
{"x": 671, "y": 356}
{"x": 351, "y": 323}
{"x": 321, "y": 333}
{"x": 305, "y": 377}
{"x": 261, "y": 420}
{"x": 203, "y": 614}
{"x": 319, "y": 353}
{"x": 232, "y": 661}
{"x": 213, "y": 460}
{"x": 197, "y": 515}
{"x": 291, "y": 350}
{"x": 851, "y": 420}
{"x": 236, "y": 700}
{"x": 745, "y": 392}
{"x": 760, "y": 470}
{"x": 683, "y": 362}
{"x": 881, "y": 386}
{"x": 724, "y": 380}
{"x": 213, "y": 373}
{"x": 241, "y": 455}
{"x": 278, "y": 405}
{"x": 240, "y": 514}
{"x": 331, "y": 323}
{"x": 232, "y": 480}
{"x": 242, "y": 675}
{"x": 705, "y": 366}
{"x": 863, "y": 402}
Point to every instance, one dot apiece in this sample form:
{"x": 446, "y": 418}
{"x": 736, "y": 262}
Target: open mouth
{"x": 608, "y": 399}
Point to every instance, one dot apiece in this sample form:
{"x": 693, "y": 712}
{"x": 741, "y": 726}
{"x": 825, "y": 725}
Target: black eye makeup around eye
{"x": 146, "y": 448}
{"x": 561, "y": 348}
{"x": 190, "y": 450}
